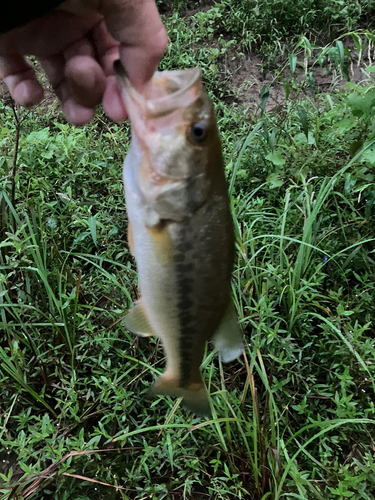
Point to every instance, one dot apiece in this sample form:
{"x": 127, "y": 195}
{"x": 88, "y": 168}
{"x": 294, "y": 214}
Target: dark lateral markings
{"x": 185, "y": 304}
{"x": 184, "y": 316}
{"x": 186, "y": 285}
{"x": 187, "y": 246}
{"x": 179, "y": 258}
{"x": 183, "y": 269}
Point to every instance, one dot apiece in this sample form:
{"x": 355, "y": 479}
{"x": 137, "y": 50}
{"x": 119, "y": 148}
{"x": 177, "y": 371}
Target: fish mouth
{"x": 167, "y": 91}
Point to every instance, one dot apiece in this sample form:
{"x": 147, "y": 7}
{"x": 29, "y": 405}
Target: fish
{"x": 180, "y": 229}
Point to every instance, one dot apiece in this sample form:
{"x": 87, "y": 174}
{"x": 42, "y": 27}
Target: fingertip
{"x": 75, "y": 113}
{"x": 113, "y": 104}
{"x": 142, "y": 60}
{"x": 20, "y": 79}
{"x": 137, "y": 25}
{"x": 27, "y": 93}
{"x": 86, "y": 80}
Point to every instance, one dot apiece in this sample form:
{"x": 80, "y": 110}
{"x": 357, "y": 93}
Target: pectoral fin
{"x": 162, "y": 243}
{"x": 136, "y": 321}
{"x": 228, "y": 338}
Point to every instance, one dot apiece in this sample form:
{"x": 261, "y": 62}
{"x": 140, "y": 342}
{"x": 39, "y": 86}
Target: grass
{"x": 293, "y": 418}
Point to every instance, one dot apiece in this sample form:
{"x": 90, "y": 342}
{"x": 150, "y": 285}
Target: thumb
{"x": 136, "y": 24}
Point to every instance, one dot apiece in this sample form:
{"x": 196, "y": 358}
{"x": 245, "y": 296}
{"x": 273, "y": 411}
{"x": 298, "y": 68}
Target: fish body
{"x": 180, "y": 230}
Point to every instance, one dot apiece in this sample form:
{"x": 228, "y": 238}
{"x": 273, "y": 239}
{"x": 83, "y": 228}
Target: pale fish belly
{"x": 157, "y": 283}
{"x": 155, "y": 266}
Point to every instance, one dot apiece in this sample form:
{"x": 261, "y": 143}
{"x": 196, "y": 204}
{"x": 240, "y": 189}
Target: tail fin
{"x": 195, "y": 397}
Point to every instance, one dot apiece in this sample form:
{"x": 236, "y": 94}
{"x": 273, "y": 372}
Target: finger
{"x": 137, "y": 25}
{"x": 83, "y": 73}
{"x": 48, "y": 35}
{"x": 74, "y": 112}
{"x": 113, "y": 104}
{"x": 107, "y": 48}
{"x": 86, "y": 81}
{"x": 107, "y": 52}
{"x": 21, "y": 81}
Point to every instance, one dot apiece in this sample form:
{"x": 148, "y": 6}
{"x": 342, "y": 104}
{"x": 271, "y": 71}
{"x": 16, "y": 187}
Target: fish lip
{"x": 159, "y": 105}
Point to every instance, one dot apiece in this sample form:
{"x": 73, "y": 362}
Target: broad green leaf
{"x": 292, "y": 62}
{"x": 346, "y": 124}
{"x": 274, "y": 181}
{"x": 4, "y": 131}
{"x": 304, "y": 120}
{"x": 340, "y": 51}
{"x": 38, "y": 136}
{"x": 369, "y": 155}
{"x": 361, "y": 104}
{"x": 276, "y": 158}
{"x": 299, "y": 139}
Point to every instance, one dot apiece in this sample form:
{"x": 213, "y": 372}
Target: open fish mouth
{"x": 166, "y": 83}
{"x": 167, "y": 90}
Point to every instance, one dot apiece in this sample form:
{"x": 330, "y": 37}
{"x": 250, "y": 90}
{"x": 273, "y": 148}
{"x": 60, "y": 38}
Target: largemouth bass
{"x": 180, "y": 229}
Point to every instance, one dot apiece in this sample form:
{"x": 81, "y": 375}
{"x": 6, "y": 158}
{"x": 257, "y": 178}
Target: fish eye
{"x": 198, "y": 131}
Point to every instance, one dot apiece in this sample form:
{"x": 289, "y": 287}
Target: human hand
{"x": 76, "y": 45}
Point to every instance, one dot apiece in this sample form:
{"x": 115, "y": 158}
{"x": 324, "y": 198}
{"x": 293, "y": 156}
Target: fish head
{"x": 175, "y": 127}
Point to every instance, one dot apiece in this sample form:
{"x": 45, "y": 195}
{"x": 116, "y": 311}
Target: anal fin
{"x": 228, "y": 339}
{"x": 136, "y": 321}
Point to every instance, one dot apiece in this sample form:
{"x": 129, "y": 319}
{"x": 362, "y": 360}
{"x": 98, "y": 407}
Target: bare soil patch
{"x": 245, "y": 77}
